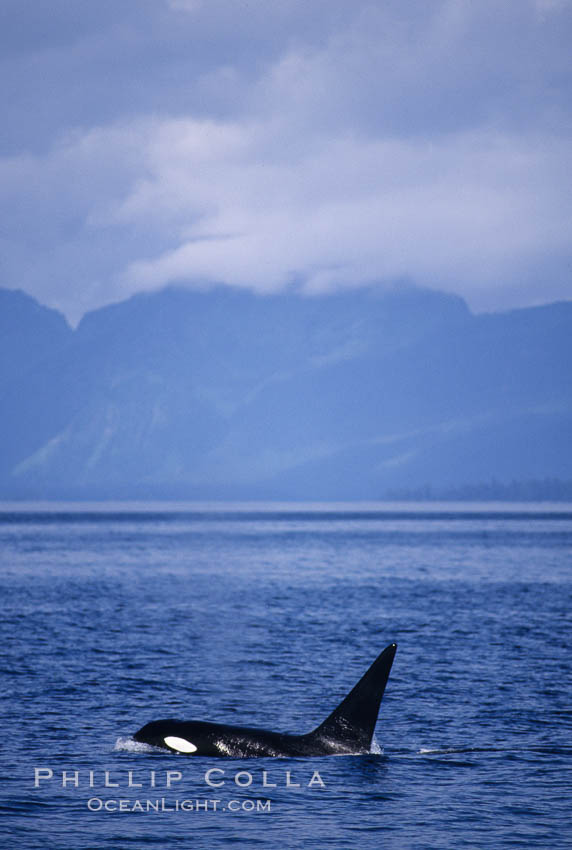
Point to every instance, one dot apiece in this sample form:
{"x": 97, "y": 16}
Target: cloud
{"x": 477, "y": 207}
{"x": 325, "y": 144}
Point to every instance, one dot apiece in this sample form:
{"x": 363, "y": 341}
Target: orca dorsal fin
{"x": 352, "y": 723}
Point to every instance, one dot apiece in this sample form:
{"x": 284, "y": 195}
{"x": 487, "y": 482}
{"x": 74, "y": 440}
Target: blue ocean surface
{"x": 113, "y": 615}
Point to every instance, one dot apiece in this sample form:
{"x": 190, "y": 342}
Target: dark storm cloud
{"x": 257, "y": 143}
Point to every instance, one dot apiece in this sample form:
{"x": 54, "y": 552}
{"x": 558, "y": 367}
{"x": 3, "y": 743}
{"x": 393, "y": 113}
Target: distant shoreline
{"x": 545, "y": 490}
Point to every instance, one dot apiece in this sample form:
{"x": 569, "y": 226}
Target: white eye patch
{"x": 180, "y": 744}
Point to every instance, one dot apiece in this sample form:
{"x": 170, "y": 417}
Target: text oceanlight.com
{"x": 96, "y": 804}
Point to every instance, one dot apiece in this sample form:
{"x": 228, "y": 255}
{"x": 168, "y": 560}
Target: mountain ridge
{"x": 228, "y": 394}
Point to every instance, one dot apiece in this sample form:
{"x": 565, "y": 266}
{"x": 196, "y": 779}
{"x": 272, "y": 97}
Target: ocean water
{"x": 266, "y": 615}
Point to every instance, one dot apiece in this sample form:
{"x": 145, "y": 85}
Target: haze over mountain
{"x": 228, "y": 394}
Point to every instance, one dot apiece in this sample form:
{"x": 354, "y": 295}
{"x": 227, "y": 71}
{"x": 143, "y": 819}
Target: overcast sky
{"x": 271, "y": 143}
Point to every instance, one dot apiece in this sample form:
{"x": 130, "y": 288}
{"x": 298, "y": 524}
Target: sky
{"x": 308, "y": 145}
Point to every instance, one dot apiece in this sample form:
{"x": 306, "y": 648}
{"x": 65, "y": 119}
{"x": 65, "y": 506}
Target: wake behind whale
{"x": 348, "y": 730}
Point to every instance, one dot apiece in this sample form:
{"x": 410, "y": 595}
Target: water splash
{"x": 375, "y": 749}
{"x": 129, "y": 745}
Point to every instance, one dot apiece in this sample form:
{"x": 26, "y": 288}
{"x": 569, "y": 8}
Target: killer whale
{"x": 347, "y": 730}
